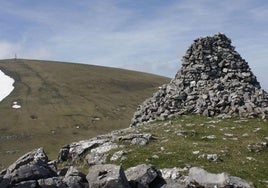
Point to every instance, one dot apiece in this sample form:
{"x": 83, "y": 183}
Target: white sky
{"x": 6, "y": 85}
{"x": 145, "y": 35}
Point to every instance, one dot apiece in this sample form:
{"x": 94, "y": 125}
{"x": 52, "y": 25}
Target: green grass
{"x": 66, "y": 102}
{"x": 178, "y": 150}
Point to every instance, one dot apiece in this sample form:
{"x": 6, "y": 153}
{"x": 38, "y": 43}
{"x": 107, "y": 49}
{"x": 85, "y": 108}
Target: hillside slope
{"x": 65, "y": 102}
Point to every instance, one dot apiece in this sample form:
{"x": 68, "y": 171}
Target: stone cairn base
{"x": 214, "y": 80}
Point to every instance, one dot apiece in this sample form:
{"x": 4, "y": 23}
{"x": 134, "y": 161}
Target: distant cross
{"x": 15, "y": 56}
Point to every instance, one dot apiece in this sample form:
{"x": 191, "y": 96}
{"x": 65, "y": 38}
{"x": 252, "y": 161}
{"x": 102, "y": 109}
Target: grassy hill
{"x": 65, "y": 102}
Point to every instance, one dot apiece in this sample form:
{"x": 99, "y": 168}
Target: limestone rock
{"x": 52, "y": 182}
{"x": 78, "y": 148}
{"x": 107, "y": 176}
{"x": 35, "y": 170}
{"x": 117, "y": 155}
{"x": 31, "y": 166}
{"x": 206, "y": 179}
{"x": 137, "y": 139}
{"x": 144, "y": 176}
{"x": 98, "y": 155}
{"x": 214, "y": 80}
{"x": 26, "y": 184}
{"x": 74, "y": 178}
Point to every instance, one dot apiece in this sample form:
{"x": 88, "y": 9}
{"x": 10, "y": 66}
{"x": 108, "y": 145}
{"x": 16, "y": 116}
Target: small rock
{"x": 256, "y": 130}
{"x": 52, "y": 182}
{"x": 212, "y": 157}
{"x": 155, "y": 157}
{"x": 117, "y": 155}
{"x": 210, "y": 137}
{"x": 257, "y": 147}
{"x": 251, "y": 158}
{"x": 139, "y": 141}
{"x": 228, "y": 134}
{"x": 26, "y": 184}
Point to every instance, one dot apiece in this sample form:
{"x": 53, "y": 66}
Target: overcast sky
{"x": 145, "y": 35}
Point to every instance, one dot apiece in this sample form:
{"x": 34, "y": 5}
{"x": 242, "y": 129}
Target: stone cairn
{"x": 214, "y": 80}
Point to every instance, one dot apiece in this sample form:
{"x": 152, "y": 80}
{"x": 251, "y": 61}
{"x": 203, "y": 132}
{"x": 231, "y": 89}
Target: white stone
{"x": 192, "y": 83}
{"x": 228, "y": 134}
{"x": 209, "y": 137}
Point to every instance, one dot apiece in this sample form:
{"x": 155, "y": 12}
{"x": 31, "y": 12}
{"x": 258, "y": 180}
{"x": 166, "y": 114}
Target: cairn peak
{"x": 214, "y": 80}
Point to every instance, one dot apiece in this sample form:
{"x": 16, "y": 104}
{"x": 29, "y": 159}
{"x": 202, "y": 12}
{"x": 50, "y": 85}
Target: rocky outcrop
{"x": 96, "y": 149}
{"x": 214, "y": 80}
{"x": 35, "y": 170}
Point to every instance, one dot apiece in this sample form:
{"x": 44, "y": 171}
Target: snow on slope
{"x": 6, "y": 85}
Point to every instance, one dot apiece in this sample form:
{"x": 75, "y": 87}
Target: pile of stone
{"x": 213, "y": 81}
{"x": 35, "y": 170}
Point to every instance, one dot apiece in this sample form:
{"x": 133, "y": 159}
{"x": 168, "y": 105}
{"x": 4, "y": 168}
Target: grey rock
{"x": 171, "y": 173}
{"x": 74, "y": 178}
{"x": 173, "y": 178}
{"x": 206, "y": 179}
{"x": 257, "y": 147}
{"x": 144, "y": 176}
{"x": 105, "y": 147}
{"x": 26, "y": 184}
{"x": 64, "y": 153}
{"x": 212, "y": 157}
{"x": 31, "y": 166}
{"x": 107, "y": 176}
{"x": 78, "y": 148}
{"x": 96, "y": 158}
{"x": 99, "y": 154}
{"x": 52, "y": 182}
{"x": 137, "y": 139}
{"x": 117, "y": 155}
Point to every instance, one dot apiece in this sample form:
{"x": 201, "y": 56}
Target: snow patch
{"x": 16, "y": 105}
{"x": 6, "y": 85}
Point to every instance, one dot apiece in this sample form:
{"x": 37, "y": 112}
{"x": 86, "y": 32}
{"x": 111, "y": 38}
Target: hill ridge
{"x": 66, "y": 102}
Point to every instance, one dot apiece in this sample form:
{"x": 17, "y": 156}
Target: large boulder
{"x": 31, "y": 166}
{"x": 74, "y": 178}
{"x": 144, "y": 176}
{"x": 35, "y": 170}
{"x": 107, "y": 176}
{"x": 203, "y": 178}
